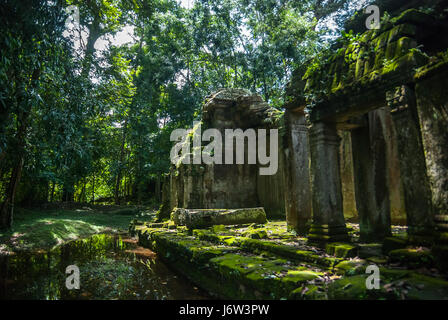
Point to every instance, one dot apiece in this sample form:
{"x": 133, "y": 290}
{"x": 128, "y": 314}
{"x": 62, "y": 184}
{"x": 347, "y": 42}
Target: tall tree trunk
{"x": 95, "y": 32}
{"x": 67, "y": 193}
{"x": 138, "y": 181}
{"x": 125, "y": 188}
{"x": 7, "y": 207}
{"x": 120, "y": 163}
{"x": 93, "y": 189}
{"x": 83, "y": 191}
{"x": 2, "y": 155}
{"x": 52, "y": 191}
{"x": 130, "y": 187}
{"x": 158, "y": 189}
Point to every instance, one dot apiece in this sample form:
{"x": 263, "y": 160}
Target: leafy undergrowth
{"x": 43, "y": 229}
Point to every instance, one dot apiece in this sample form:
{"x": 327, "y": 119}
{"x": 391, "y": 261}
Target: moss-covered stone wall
{"x": 265, "y": 261}
{"x": 345, "y": 86}
{"x": 351, "y": 78}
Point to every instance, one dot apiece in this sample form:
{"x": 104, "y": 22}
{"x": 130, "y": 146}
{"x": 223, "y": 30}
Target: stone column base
{"x": 421, "y": 235}
{"x": 326, "y": 233}
{"x": 440, "y": 248}
{"x": 441, "y": 226}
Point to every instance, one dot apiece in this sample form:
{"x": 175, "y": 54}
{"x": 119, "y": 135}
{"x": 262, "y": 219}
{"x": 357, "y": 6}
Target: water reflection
{"x": 111, "y": 267}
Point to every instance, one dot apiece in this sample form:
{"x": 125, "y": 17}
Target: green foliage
{"x": 86, "y": 124}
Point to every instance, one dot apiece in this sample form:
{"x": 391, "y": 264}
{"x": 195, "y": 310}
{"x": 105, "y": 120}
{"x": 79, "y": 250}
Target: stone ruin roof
{"x": 354, "y": 75}
{"x": 238, "y": 108}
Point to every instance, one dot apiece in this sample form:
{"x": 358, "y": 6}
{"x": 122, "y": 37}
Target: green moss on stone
{"x": 290, "y": 252}
{"x": 392, "y": 243}
{"x": 298, "y": 276}
{"x": 341, "y": 250}
{"x": 351, "y": 267}
{"x": 256, "y": 234}
{"x": 412, "y": 256}
{"x": 377, "y": 260}
{"x": 353, "y": 288}
{"x": 309, "y": 292}
{"x": 415, "y": 17}
{"x": 421, "y": 287}
{"x": 273, "y": 279}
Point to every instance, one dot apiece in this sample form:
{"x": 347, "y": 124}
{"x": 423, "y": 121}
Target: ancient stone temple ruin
{"x": 230, "y": 186}
{"x": 363, "y": 139}
{"x": 385, "y": 95}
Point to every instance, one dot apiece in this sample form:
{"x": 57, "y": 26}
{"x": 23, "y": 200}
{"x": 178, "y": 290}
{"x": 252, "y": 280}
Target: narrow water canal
{"x": 111, "y": 267}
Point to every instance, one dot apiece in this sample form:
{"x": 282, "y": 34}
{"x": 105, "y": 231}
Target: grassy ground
{"x": 46, "y": 228}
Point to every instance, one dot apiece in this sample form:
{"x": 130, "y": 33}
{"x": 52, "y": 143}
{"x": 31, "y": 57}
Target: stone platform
{"x": 265, "y": 261}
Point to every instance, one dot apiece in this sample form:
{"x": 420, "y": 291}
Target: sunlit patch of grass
{"x": 49, "y": 228}
{"x": 49, "y": 233}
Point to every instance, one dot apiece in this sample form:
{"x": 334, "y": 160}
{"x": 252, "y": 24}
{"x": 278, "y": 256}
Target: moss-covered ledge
{"x": 265, "y": 261}
{"x": 226, "y": 271}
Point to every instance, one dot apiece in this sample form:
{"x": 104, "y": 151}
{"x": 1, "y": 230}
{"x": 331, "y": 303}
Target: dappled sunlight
{"x": 53, "y": 228}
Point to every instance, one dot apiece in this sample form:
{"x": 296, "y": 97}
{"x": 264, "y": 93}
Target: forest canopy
{"x": 86, "y": 118}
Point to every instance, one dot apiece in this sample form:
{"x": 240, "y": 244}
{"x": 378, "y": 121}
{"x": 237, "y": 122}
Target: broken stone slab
{"x": 202, "y": 218}
{"x": 367, "y": 250}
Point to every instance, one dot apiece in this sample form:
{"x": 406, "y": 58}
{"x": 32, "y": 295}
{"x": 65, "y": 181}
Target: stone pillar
{"x": 271, "y": 188}
{"x": 396, "y": 192}
{"x": 417, "y": 193}
{"x": 297, "y": 177}
{"x": 165, "y": 208}
{"x": 173, "y": 188}
{"x": 432, "y": 108}
{"x": 176, "y": 186}
{"x": 328, "y": 218}
{"x": 348, "y": 184}
{"x": 371, "y": 179}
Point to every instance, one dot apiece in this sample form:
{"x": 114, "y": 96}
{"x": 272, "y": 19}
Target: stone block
{"x": 201, "y": 218}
